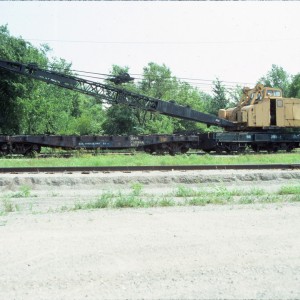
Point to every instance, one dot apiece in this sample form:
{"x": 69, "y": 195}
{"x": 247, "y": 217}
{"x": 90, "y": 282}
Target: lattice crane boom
{"x": 112, "y": 94}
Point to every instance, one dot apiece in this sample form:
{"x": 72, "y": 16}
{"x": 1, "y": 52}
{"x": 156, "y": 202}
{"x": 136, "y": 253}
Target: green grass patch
{"x": 201, "y": 201}
{"x": 165, "y": 202}
{"x": 184, "y": 191}
{"x": 143, "y": 159}
{"x": 8, "y": 206}
{"x": 290, "y": 190}
{"x": 295, "y": 198}
{"x": 184, "y": 195}
{"x": 25, "y": 192}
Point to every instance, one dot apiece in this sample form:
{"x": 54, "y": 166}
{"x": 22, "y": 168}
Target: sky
{"x": 236, "y": 42}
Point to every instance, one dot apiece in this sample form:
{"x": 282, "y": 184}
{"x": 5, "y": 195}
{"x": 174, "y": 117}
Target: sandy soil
{"x": 172, "y": 253}
{"x": 211, "y": 252}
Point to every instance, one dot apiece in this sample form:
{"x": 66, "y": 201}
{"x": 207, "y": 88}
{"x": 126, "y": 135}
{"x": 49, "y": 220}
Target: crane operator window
{"x": 273, "y": 93}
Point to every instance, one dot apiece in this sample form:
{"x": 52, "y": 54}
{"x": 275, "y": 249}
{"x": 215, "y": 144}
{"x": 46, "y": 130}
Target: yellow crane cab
{"x": 264, "y": 107}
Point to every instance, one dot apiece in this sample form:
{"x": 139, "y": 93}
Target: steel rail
{"x": 148, "y": 168}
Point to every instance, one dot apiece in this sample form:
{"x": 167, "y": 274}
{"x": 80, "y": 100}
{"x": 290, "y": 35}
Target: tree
{"x": 158, "y": 82}
{"x": 15, "y": 88}
{"x": 28, "y": 106}
{"x": 219, "y": 99}
{"x": 120, "y": 119}
{"x": 235, "y": 95}
{"x": 277, "y": 78}
{"x": 294, "y": 90}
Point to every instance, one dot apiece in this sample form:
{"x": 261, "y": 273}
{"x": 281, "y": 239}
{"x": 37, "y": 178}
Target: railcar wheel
{"x": 242, "y": 150}
{"x": 149, "y": 150}
{"x": 33, "y": 151}
{"x": 31, "y": 154}
{"x": 206, "y": 150}
{"x": 184, "y": 150}
{"x": 175, "y": 149}
{"x": 255, "y": 148}
{"x": 219, "y": 150}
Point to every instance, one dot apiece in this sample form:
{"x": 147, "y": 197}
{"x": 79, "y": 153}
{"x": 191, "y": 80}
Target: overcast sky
{"x": 234, "y": 41}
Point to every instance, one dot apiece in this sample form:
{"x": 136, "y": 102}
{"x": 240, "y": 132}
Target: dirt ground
{"x": 210, "y": 252}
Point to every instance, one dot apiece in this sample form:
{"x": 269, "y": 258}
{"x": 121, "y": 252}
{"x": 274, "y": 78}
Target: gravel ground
{"x": 211, "y": 252}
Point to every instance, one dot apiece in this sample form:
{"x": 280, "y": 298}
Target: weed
{"x": 151, "y": 203}
{"x": 25, "y": 192}
{"x": 183, "y": 191}
{"x": 64, "y": 208}
{"x": 78, "y": 205}
{"x": 136, "y": 188}
{"x": 166, "y": 202}
{"x": 257, "y": 192}
{"x": 265, "y": 198}
{"x": 123, "y": 201}
{"x": 222, "y": 191}
{"x": 271, "y": 198}
{"x": 295, "y": 198}
{"x": 102, "y": 202}
{"x": 218, "y": 200}
{"x": 197, "y": 201}
{"x": 8, "y": 205}
{"x": 246, "y": 200}
{"x": 290, "y": 190}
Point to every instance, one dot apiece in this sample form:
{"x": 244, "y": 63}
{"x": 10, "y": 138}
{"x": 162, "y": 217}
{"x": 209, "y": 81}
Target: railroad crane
{"x": 259, "y": 121}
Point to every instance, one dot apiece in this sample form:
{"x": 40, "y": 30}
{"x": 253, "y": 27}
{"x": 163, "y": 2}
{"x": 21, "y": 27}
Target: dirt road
{"x": 211, "y": 252}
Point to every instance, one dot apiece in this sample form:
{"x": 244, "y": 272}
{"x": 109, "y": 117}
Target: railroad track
{"x": 147, "y": 168}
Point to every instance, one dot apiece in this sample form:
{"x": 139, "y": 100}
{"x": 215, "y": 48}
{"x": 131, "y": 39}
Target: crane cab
{"x": 264, "y": 107}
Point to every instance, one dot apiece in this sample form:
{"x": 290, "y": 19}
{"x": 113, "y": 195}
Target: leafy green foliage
{"x": 277, "y": 78}
{"x": 157, "y": 82}
{"x": 14, "y": 88}
{"x": 219, "y": 99}
{"x": 294, "y": 90}
{"x": 120, "y": 120}
{"x": 28, "y": 106}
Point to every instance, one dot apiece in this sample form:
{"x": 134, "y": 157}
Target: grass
{"x": 8, "y": 204}
{"x": 185, "y": 196}
{"x": 217, "y": 191}
{"x": 143, "y": 159}
{"x": 25, "y": 192}
{"x": 182, "y": 196}
{"x": 286, "y": 190}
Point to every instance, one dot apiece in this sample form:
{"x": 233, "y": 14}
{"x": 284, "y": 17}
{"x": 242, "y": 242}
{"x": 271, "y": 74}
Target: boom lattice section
{"x": 113, "y": 95}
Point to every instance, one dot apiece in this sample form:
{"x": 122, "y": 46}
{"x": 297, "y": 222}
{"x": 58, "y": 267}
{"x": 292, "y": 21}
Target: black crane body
{"x": 231, "y": 140}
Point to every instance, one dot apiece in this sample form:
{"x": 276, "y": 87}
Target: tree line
{"x": 28, "y": 106}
